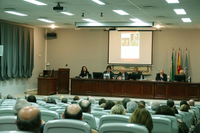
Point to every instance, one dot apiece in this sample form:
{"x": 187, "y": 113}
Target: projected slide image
{"x": 130, "y": 50}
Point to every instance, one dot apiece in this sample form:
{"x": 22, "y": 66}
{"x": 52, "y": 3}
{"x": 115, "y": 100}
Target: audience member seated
{"x": 141, "y": 116}
{"x": 191, "y": 102}
{"x": 143, "y": 102}
{"x": 9, "y": 96}
{"x": 29, "y": 119}
{"x": 74, "y": 111}
{"x": 45, "y": 98}
{"x": 164, "y": 110}
{"x": 102, "y": 105}
{"x": 155, "y": 105}
{"x": 64, "y": 100}
{"x": 125, "y": 101}
{"x": 88, "y": 97}
{"x": 140, "y": 105}
{"x": 184, "y": 108}
{"x": 119, "y": 102}
{"x": 118, "y": 109}
{"x": 92, "y": 100}
{"x": 60, "y": 97}
{"x": 102, "y": 100}
{"x": 51, "y": 100}
{"x": 21, "y": 103}
{"x": 109, "y": 104}
{"x": 31, "y": 98}
{"x": 76, "y": 98}
{"x": 183, "y": 128}
{"x": 26, "y": 96}
{"x": 131, "y": 106}
{"x": 86, "y": 108}
{"x": 170, "y": 103}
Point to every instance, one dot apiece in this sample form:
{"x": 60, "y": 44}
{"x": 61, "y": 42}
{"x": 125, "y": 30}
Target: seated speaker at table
{"x": 109, "y": 73}
{"x": 180, "y": 77}
{"x": 161, "y": 76}
{"x": 136, "y": 74}
{"x": 123, "y": 74}
{"x": 84, "y": 72}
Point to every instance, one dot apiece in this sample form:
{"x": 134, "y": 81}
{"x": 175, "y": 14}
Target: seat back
{"x": 113, "y": 119}
{"x": 161, "y": 125}
{"x": 196, "y": 111}
{"x": 129, "y": 114}
{"x": 151, "y": 112}
{"x": 54, "y": 108}
{"x": 15, "y": 132}
{"x": 7, "y": 123}
{"x": 6, "y": 112}
{"x": 186, "y": 119}
{"x": 173, "y": 120}
{"x": 178, "y": 116}
{"x": 97, "y": 109}
{"x": 49, "y": 105}
{"x": 60, "y": 111}
{"x": 49, "y": 115}
{"x": 108, "y": 111}
{"x": 90, "y": 119}
{"x": 67, "y": 126}
{"x": 98, "y": 114}
{"x": 122, "y": 128}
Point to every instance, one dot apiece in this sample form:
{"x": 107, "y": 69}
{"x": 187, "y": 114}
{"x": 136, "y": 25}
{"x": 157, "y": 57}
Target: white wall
{"x": 18, "y": 86}
{"x": 90, "y": 48}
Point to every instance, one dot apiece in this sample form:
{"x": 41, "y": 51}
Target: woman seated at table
{"x": 108, "y": 71}
{"x": 84, "y": 72}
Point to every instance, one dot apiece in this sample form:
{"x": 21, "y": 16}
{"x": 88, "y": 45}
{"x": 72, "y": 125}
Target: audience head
{"x": 20, "y": 103}
{"x": 29, "y": 119}
{"x": 155, "y": 105}
{"x": 31, "y": 98}
{"x": 9, "y": 96}
{"x": 143, "y": 102}
{"x": 183, "y": 102}
{"x": 76, "y": 98}
{"x": 135, "y": 70}
{"x": 84, "y": 69}
{"x": 85, "y": 106}
{"x": 102, "y": 100}
{"x": 122, "y": 70}
{"x": 170, "y": 103}
{"x": 125, "y": 101}
{"x": 26, "y": 96}
{"x": 142, "y": 116}
{"x": 102, "y": 105}
{"x": 64, "y": 100}
{"x": 191, "y": 102}
{"x": 108, "y": 68}
{"x": 184, "y": 108}
{"x": 117, "y": 109}
{"x": 161, "y": 72}
{"x": 131, "y": 106}
{"x": 181, "y": 72}
{"x": 73, "y": 111}
{"x": 140, "y": 105}
{"x": 119, "y": 102}
{"x": 109, "y": 104}
{"x": 92, "y": 100}
{"x": 88, "y": 97}
{"x": 45, "y": 99}
{"x": 165, "y": 110}
{"x": 60, "y": 97}
{"x": 51, "y": 100}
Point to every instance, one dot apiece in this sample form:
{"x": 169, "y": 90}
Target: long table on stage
{"x": 135, "y": 89}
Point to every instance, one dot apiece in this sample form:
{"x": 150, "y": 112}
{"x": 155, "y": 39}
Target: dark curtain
{"x": 18, "y": 51}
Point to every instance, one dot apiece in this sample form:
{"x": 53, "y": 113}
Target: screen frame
{"x": 108, "y": 62}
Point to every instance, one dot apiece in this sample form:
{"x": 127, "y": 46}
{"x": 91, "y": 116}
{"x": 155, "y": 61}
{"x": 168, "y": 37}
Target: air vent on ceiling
{"x": 161, "y": 17}
{"x": 148, "y": 7}
{"x": 67, "y": 24}
{"x": 169, "y": 24}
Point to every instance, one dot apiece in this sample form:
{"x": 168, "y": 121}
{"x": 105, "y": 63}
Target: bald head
{"x": 73, "y": 111}
{"x": 181, "y": 72}
{"x": 29, "y": 119}
{"x": 85, "y": 106}
{"x": 191, "y": 102}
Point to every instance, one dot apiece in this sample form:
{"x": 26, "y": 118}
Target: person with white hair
{"x": 118, "y": 109}
{"x": 92, "y": 100}
{"x": 155, "y": 105}
{"x": 21, "y": 103}
{"x": 131, "y": 106}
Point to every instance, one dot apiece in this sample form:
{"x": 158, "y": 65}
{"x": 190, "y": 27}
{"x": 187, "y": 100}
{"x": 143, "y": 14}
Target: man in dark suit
{"x": 123, "y": 74}
{"x": 161, "y": 76}
{"x": 137, "y": 74}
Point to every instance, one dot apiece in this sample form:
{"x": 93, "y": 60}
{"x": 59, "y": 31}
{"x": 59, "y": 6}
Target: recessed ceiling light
{"x": 99, "y": 2}
{"x": 67, "y": 13}
{"x": 16, "y": 13}
{"x": 158, "y": 26}
{"x": 172, "y": 1}
{"x": 180, "y": 11}
{"x": 121, "y": 12}
{"x": 135, "y": 19}
{"x": 89, "y": 20}
{"x": 35, "y": 2}
{"x": 46, "y": 20}
{"x": 53, "y": 26}
{"x": 186, "y": 20}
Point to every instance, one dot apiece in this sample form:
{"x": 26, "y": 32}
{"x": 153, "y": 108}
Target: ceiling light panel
{"x": 99, "y": 2}
{"x": 180, "y": 11}
{"x": 16, "y": 13}
{"x": 121, "y": 12}
{"x": 36, "y": 2}
{"x": 135, "y": 19}
{"x": 67, "y": 13}
{"x": 186, "y": 20}
{"x": 45, "y": 20}
{"x": 172, "y": 1}
{"x": 89, "y": 20}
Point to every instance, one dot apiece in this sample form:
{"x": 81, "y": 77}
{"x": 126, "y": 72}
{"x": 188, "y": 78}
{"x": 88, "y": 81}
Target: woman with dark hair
{"x": 84, "y": 72}
{"x": 108, "y": 71}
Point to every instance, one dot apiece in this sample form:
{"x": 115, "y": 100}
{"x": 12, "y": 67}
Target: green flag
{"x": 172, "y": 66}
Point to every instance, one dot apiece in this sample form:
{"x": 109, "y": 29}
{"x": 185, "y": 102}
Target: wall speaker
{"x": 51, "y": 35}
{"x": 1, "y": 50}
